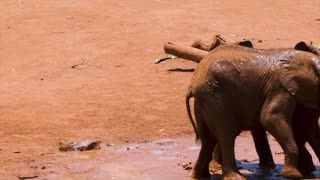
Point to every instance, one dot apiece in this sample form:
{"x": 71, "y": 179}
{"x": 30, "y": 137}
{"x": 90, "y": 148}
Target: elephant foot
{"x": 306, "y": 166}
{"x": 215, "y": 167}
{"x": 290, "y": 173}
{"x": 267, "y": 165}
{"x": 306, "y": 170}
{"x": 201, "y": 174}
{"x": 233, "y": 176}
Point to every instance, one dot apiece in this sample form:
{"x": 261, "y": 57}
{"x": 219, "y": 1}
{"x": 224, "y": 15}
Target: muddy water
{"x": 152, "y": 160}
{"x": 162, "y": 159}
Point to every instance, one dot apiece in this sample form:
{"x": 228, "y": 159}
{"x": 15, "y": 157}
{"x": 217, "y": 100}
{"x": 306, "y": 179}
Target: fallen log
{"x": 188, "y": 53}
{"x": 199, "y": 49}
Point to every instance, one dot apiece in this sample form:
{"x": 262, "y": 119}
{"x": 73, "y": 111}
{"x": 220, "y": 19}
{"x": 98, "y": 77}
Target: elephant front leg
{"x": 305, "y": 163}
{"x": 275, "y": 118}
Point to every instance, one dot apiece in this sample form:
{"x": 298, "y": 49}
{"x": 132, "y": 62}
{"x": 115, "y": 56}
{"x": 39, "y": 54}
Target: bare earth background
{"x": 74, "y": 70}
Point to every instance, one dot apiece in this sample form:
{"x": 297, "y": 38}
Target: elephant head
{"x": 300, "y": 75}
{"x": 302, "y": 46}
{"x": 294, "y": 73}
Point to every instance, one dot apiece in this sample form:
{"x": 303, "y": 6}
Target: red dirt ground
{"x": 84, "y": 69}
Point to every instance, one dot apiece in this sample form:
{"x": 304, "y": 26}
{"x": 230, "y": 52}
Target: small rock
{"x": 80, "y": 146}
{"x": 116, "y": 66}
{"x": 69, "y": 17}
{"x": 187, "y": 166}
{"x": 75, "y": 66}
{"x": 244, "y": 160}
{"x": 27, "y": 177}
{"x": 171, "y": 56}
{"x": 165, "y": 143}
{"x": 90, "y": 146}
{"x": 144, "y": 141}
{"x": 16, "y": 152}
{"x": 260, "y": 41}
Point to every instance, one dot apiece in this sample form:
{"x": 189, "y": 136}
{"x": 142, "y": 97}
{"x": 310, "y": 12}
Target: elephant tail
{"x": 188, "y": 96}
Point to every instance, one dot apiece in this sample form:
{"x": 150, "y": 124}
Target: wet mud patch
{"x": 165, "y": 159}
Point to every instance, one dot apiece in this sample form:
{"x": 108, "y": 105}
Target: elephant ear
{"x": 298, "y": 76}
{"x": 302, "y": 46}
{"x": 245, "y": 43}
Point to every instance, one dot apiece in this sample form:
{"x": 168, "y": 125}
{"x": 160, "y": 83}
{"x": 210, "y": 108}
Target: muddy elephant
{"x": 305, "y": 128}
{"x": 237, "y": 88}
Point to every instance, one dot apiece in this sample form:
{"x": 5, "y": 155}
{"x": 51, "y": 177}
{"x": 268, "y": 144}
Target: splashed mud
{"x": 164, "y": 159}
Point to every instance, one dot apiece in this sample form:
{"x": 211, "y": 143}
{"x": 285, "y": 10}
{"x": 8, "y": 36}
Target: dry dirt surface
{"x": 73, "y": 70}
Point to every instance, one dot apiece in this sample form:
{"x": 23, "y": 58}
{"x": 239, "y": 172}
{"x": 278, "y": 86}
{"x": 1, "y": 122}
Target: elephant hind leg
{"x": 223, "y": 126}
{"x": 208, "y": 142}
{"x": 275, "y": 118}
{"x": 229, "y": 167}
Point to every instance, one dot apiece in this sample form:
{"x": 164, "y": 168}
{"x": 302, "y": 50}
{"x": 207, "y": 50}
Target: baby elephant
{"x": 237, "y": 88}
{"x": 307, "y": 130}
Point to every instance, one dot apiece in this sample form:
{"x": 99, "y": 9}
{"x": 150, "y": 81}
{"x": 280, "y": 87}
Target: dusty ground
{"x": 83, "y": 70}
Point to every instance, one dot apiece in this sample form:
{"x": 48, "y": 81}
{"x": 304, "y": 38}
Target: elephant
{"x": 238, "y": 88}
{"x": 308, "y": 131}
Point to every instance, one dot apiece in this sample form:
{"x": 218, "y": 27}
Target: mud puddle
{"x": 162, "y": 159}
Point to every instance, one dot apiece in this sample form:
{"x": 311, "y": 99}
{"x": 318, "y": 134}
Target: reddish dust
{"x": 75, "y": 70}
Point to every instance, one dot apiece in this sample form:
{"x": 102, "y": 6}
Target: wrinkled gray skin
{"x": 305, "y": 129}
{"x": 237, "y": 88}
